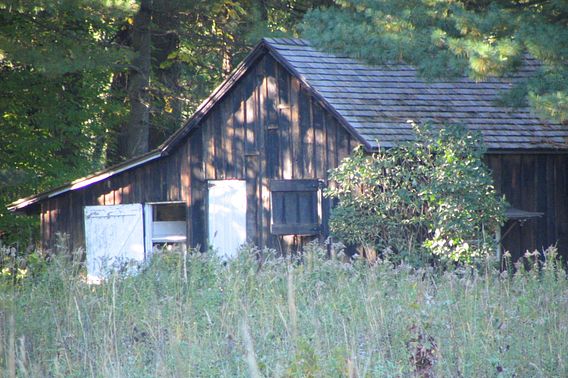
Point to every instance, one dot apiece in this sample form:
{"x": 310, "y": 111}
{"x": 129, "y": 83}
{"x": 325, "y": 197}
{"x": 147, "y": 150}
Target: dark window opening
{"x": 166, "y": 226}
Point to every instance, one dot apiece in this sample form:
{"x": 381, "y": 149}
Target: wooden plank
{"x": 81, "y": 224}
{"x": 263, "y": 193}
{"x": 295, "y": 229}
{"x": 331, "y": 128}
{"x": 271, "y": 121}
{"x": 294, "y": 185}
{"x": 278, "y": 215}
{"x": 550, "y": 212}
{"x": 78, "y": 220}
{"x": 250, "y": 113}
{"x": 511, "y": 167}
{"x": 208, "y": 148}
{"x": 343, "y": 139}
{"x": 228, "y": 135}
{"x": 109, "y": 195}
{"x": 135, "y": 185}
{"x": 541, "y": 200}
{"x": 271, "y": 100}
{"x": 121, "y": 181}
{"x": 238, "y": 123}
{"x": 70, "y": 214}
{"x": 284, "y": 118}
{"x": 185, "y": 185}
{"x": 528, "y": 190}
{"x": 272, "y": 154}
{"x": 306, "y": 160}
{"x": 52, "y": 217}
{"x": 174, "y": 172}
{"x": 163, "y": 166}
{"x": 44, "y": 225}
{"x": 320, "y": 150}
{"x": 291, "y": 210}
{"x": 307, "y": 209}
{"x": 198, "y": 189}
{"x": 218, "y": 159}
{"x": 252, "y": 202}
{"x": 296, "y": 145}
{"x": 155, "y": 177}
{"x": 562, "y": 205}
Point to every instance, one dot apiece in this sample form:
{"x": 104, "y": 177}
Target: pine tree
{"x": 479, "y": 38}
{"x": 55, "y": 63}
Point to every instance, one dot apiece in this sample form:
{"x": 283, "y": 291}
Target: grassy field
{"x": 195, "y": 316}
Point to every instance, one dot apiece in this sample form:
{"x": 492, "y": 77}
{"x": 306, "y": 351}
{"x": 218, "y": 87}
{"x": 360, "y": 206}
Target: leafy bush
{"x": 433, "y": 194}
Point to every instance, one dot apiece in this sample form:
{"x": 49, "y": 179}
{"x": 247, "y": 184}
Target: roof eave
{"x": 23, "y": 204}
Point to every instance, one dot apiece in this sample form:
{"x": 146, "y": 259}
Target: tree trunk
{"x": 139, "y": 79}
{"x": 166, "y": 116}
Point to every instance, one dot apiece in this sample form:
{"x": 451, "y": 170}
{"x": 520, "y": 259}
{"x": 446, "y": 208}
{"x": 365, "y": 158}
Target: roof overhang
{"x": 83, "y": 182}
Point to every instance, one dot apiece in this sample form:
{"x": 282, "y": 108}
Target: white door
{"x": 227, "y": 216}
{"x": 113, "y": 234}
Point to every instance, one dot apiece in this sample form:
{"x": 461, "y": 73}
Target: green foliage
{"x": 56, "y": 58}
{"x": 446, "y": 38}
{"x": 433, "y": 192}
{"x": 181, "y": 316}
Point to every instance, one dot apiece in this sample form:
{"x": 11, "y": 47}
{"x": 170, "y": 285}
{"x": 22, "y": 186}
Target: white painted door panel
{"x": 227, "y": 216}
{"x": 113, "y": 234}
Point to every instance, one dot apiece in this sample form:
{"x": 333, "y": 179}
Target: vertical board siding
{"x": 306, "y": 160}
{"x": 267, "y": 126}
{"x": 273, "y": 166}
{"x": 238, "y": 112}
{"x": 295, "y": 138}
{"x": 198, "y": 189}
{"x": 284, "y": 122}
{"x": 263, "y": 69}
{"x": 534, "y": 182}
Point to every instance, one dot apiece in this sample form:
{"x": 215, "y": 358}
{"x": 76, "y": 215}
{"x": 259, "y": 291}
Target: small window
{"x": 166, "y": 225}
{"x": 295, "y": 207}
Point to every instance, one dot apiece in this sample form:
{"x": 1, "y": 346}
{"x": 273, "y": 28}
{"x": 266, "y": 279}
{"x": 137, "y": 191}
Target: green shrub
{"x": 433, "y": 194}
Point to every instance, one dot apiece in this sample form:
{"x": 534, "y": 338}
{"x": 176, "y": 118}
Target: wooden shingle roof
{"x": 377, "y": 102}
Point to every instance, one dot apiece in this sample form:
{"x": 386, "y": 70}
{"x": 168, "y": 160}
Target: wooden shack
{"x": 251, "y": 163}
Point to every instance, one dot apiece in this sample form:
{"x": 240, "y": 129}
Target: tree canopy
{"x": 443, "y": 38}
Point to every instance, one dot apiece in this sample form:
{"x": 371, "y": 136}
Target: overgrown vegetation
{"x": 433, "y": 194}
{"x": 191, "y": 315}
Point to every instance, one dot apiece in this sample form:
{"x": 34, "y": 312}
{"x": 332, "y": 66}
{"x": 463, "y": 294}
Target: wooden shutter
{"x": 295, "y": 207}
{"x": 113, "y": 234}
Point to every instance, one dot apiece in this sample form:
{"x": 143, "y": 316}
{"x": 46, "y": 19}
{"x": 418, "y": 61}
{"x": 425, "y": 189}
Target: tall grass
{"x": 192, "y": 315}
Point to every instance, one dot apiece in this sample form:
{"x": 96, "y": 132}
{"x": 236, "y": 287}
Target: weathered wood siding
{"x": 269, "y": 127}
{"x": 159, "y": 180}
{"x": 539, "y": 183}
